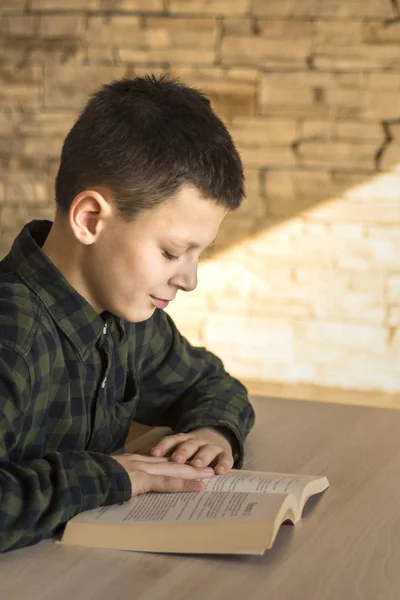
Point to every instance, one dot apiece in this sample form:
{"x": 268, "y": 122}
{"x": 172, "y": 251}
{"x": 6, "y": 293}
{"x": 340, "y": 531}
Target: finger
{"x": 187, "y": 450}
{"x": 148, "y": 459}
{"x": 128, "y": 456}
{"x": 174, "y": 470}
{"x": 206, "y": 455}
{"x": 224, "y": 463}
{"x": 168, "y": 443}
{"x": 163, "y": 483}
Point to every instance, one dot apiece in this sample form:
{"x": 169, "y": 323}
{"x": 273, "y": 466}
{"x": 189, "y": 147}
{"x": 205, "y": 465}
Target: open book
{"x": 238, "y": 513}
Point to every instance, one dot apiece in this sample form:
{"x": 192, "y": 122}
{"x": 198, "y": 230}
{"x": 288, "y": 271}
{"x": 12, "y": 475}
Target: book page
{"x": 180, "y": 508}
{"x": 257, "y": 481}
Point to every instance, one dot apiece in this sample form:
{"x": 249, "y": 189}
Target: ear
{"x": 88, "y": 214}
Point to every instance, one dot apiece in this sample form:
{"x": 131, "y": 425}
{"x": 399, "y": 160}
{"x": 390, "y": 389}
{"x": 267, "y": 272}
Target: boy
{"x": 147, "y": 174}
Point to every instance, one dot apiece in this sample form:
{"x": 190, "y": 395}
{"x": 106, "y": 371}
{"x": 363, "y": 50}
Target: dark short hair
{"x": 144, "y": 138}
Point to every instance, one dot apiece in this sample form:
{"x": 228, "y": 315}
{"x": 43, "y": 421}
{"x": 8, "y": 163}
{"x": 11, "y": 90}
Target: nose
{"x": 186, "y": 279}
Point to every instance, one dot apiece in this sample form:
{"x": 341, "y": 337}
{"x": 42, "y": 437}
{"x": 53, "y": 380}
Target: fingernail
{"x": 198, "y": 461}
{"x": 156, "y": 451}
{"x": 198, "y": 485}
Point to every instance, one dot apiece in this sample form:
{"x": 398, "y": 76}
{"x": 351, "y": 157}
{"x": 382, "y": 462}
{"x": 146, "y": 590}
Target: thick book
{"x": 237, "y": 513}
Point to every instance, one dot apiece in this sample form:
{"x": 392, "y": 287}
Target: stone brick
{"x": 21, "y": 26}
{"x": 27, "y": 189}
{"x": 361, "y": 9}
{"x": 286, "y": 207}
{"x": 70, "y": 86}
{"x": 257, "y": 51}
{"x": 267, "y": 156}
{"x": 394, "y": 129}
{"x": 350, "y": 306}
{"x": 390, "y": 156}
{"x": 242, "y": 74}
{"x": 382, "y": 187}
{"x": 359, "y": 130}
{"x": 31, "y": 147}
{"x": 384, "y": 246}
{"x": 58, "y": 26}
{"x": 11, "y": 5}
{"x": 393, "y": 317}
{"x": 13, "y": 218}
{"x": 346, "y": 336}
{"x": 282, "y": 246}
{"x": 258, "y": 131}
{"x": 277, "y": 92}
{"x": 184, "y": 32}
{"x": 296, "y": 184}
{"x": 347, "y": 103}
{"x": 99, "y": 5}
{"x": 210, "y": 7}
{"x": 198, "y": 73}
{"x": 20, "y": 85}
{"x": 353, "y": 211}
{"x": 378, "y": 32}
{"x": 228, "y": 97}
{"x": 286, "y": 8}
{"x": 252, "y": 181}
{"x": 238, "y": 26}
{"x": 354, "y": 58}
{"x": 316, "y": 129}
{"x": 271, "y": 337}
{"x": 338, "y": 32}
{"x": 335, "y": 9}
{"x": 363, "y": 372}
{"x": 393, "y": 288}
{"x": 155, "y": 70}
{"x": 386, "y": 81}
{"x": 333, "y": 294}
{"x": 337, "y": 154}
{"x": 382, "y": 105}
{"x": 64, "y": 5}
{"x": 47, "y": 124}
{"x": 283, "y": 28}
{"x": 8, "y": 123}
{"x": 40, "y": 51}
{"x": 189, "y": 56}
{"x": 121, "y": 30}
{"x": 102, "y": 55}
{"x": 253, "y": 207}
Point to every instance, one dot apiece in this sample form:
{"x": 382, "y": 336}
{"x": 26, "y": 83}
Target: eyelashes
{"x": 169, "y": 256}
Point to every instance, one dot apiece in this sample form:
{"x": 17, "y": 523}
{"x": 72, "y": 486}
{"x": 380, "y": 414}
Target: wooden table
{"x": 347, "y": 546}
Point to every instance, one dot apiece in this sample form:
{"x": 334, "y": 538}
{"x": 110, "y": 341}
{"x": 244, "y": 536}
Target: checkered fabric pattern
{"x": 71, "y": 383}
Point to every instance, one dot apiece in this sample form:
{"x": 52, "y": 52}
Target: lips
{"x": 160, "y": 302}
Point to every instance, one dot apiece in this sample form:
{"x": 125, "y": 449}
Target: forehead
{"x": 184, "y": 213}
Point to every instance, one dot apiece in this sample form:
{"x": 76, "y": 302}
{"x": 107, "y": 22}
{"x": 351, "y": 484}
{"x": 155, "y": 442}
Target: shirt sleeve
{"x": 39, "y": 495}
{"x": 185, "y": 387}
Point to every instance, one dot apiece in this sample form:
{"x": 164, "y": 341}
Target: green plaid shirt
{"x": 71, "y": 383}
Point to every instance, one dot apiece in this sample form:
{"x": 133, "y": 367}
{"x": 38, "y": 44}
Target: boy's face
{"x": 129, "y": 269}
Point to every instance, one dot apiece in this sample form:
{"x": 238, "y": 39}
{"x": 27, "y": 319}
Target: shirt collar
{"x": 70, "y": 311}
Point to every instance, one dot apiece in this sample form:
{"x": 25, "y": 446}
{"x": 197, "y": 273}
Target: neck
{"x": 67, "y": 254}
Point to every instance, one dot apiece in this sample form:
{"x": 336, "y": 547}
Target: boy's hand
{"x": 153, "y": 474}
{"x": 200, "y": 448}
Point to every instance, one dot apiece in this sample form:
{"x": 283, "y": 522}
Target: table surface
{"x": 346, "y": 546}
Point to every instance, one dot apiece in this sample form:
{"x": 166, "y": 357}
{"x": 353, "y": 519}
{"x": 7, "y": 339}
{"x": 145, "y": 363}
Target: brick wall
{"x": 304, "y": 284}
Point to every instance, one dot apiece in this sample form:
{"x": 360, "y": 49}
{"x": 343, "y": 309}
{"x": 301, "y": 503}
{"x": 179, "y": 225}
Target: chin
{"x": 135, "y": 316}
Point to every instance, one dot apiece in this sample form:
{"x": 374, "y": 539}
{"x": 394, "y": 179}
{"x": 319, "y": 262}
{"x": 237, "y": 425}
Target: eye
{"x": 169, "y": 256}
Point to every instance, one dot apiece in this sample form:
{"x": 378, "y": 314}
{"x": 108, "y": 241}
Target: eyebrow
{"x": 189, "y": 244}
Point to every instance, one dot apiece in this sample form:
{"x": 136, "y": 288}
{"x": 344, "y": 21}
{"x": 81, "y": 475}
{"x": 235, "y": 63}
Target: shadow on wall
{"x": 292, "y": 164}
